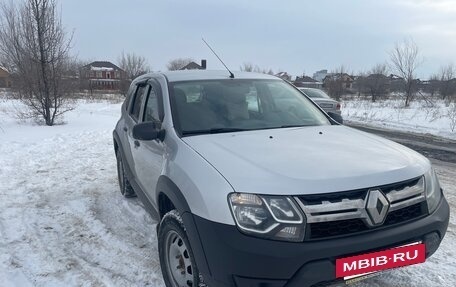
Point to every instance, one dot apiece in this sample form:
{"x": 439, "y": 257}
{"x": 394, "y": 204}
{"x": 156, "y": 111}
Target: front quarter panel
{"x": 203, "y": 187}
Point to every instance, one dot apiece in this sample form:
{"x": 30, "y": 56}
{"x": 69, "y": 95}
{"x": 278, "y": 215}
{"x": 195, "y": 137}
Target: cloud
{"x": 291, "y": 35}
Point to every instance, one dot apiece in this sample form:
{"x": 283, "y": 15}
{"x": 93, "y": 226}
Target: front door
{"x": 149, "y": 155}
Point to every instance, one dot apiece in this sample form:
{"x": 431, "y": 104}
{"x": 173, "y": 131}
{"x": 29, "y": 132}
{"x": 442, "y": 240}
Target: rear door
{"x": 149, "y": 155}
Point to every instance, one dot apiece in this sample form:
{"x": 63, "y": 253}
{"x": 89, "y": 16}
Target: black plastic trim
{"x": 166, "y": 186}
{"x": 232, "y": 255}
{"x": 170, "y": 189}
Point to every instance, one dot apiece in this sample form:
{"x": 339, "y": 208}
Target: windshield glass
{"x": 315, "y": 93}
{"x": 215, "y": 106}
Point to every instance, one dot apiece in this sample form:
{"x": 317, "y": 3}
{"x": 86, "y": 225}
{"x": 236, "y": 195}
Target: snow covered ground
{"x": 63, "y": 221}
{"x": 421, "y": 117}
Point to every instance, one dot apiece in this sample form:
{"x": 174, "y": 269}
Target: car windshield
{"x": 315, "y": 93}
{"x": 216, "y": 106}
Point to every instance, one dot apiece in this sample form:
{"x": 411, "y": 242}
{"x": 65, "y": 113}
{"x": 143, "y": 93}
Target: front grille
{"x": 405, "y": 214}
{"x": 315, "y": 199}
{"x": 346, "y": 227}
{"x": 336, "y": 228}
{"x": 344, "y": 213}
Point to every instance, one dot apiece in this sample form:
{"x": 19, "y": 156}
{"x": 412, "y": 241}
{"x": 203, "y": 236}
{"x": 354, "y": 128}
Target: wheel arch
{"x": 116, "y": 141}
{"x": 170, "y": 196}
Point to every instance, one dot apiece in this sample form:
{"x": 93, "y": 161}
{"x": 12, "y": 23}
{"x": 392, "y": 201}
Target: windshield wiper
{"x": 293, "y": 126}
{"x": 213, "y": 131}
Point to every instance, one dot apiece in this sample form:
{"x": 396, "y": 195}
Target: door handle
{"x": 125, "y": 129}
{"x": 137, "y": 144}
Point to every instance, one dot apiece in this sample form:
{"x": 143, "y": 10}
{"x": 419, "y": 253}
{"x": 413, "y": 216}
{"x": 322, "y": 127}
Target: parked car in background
{"x": 322, "y": 99}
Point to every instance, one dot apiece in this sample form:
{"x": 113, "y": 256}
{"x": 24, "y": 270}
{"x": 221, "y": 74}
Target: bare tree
{"x": 434, "y": 85}
{"x": 447, "y": 83}
{"x": 337, "y": 82}
{"x": 376, "y": 82}
{"x": 405, "y": 61}
{"x": 178, "y": 63}
{"x": 133, "y": 64}
{"x": 451, "y": 113}
{"x": 35, "y": 47}
{"x": 249, "y": 67}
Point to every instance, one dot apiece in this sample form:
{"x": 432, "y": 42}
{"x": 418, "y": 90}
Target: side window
{"x": 151, "y": 111}
{"x": 130, "y": 96}
{"x": 139, "y": 96}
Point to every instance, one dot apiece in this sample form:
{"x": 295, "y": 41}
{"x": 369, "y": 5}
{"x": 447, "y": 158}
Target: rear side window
{"x": 139, "y": 96}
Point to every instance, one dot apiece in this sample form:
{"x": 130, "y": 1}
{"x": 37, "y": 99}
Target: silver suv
{"x": 254, "y": 185}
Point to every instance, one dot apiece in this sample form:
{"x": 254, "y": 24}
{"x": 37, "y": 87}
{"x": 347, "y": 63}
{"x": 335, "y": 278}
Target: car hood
{"x": 307, "y": 160}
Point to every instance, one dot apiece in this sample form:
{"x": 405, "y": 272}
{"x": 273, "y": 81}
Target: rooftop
{"x": 194, "y": 75}
{"x": 192, "y": 66}
{"x": 103, "y": 65}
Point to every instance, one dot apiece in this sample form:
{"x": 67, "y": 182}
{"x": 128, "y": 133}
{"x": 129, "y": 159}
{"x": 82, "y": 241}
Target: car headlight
{"x": 271, "y": 217}
{"x": 433, "y": 190}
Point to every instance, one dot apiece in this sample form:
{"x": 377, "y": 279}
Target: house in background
{"x": 5, "y": 78}
{"x": 320, "y": 75}
{"x": 307, "y": 82}
{"x": 195, "y": 66}
{"x": 102, "y": 75}
{"x": 396, "y": 83}
{"x": 345, "y": 79}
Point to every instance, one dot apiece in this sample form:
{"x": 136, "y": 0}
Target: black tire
{"x": 124, "y": 185}
{"x": 181, "y": 266}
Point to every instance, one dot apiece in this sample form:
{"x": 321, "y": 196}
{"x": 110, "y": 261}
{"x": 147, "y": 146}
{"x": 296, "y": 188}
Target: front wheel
{"x": 176, "y": 257}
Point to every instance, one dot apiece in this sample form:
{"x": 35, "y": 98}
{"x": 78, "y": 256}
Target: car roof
{"x": 194, "y": 75}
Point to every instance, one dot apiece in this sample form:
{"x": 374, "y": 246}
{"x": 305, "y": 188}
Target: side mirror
{"x": 336, "y": 117}
{"x": 148, "y": 131}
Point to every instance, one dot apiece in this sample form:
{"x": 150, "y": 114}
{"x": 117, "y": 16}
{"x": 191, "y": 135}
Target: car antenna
{"x": 231, "y": 73}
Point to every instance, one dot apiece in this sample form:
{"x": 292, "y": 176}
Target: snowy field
{"x": 63, "y": 221}
{"x": 437, "y": 119}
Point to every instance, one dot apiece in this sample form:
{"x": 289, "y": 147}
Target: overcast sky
{"x": 295, "y": 36}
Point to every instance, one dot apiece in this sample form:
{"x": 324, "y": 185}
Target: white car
{"x": 322, "y": 99}
{"x": 253, "y": 185}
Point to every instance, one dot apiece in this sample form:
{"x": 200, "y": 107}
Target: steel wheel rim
{"x": 178, "y": 261}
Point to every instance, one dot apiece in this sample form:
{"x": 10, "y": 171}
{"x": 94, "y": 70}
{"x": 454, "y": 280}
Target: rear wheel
{"x": 176, "y": 257}
{"x": 124, "y": 185}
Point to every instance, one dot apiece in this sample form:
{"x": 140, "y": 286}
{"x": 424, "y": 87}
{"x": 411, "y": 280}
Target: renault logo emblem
{"x": 377, "y": 207}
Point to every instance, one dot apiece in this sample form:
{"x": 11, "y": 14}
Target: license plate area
{"x": 366, "y": 265}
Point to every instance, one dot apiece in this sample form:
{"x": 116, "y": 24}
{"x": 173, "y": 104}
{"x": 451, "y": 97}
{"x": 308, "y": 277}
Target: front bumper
{"x": 234, "y": 259}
